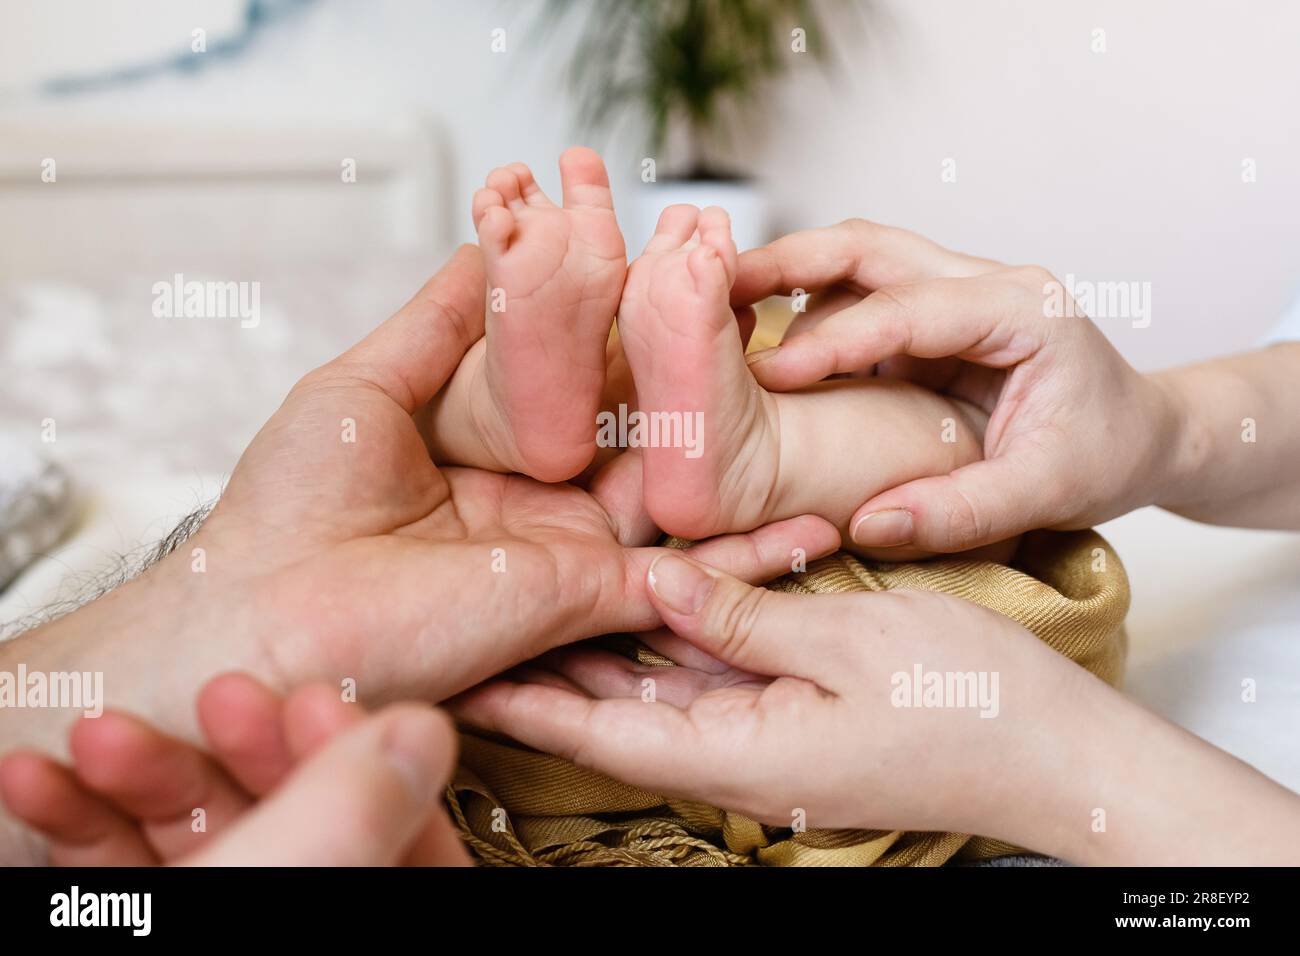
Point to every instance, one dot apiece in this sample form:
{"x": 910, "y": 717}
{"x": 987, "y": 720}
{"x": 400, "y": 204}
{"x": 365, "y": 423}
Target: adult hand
{"x": 372, "y": 796}
{"x": 297, "y": 781}
{"x": 1070, "y": 419}
{"x": 786, "y": 703}
{"x": 392, "y": 561}
{"x": 340, "y": 551}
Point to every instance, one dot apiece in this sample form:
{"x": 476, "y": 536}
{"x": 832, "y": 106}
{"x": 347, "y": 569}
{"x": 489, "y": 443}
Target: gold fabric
{"x": 1067, "y": 588}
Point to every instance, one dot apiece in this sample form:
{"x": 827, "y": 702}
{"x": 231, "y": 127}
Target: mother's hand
{"x": 783, "y": 703}
{"x": 787, "y": 703}
{"x": 1069, "y": 417}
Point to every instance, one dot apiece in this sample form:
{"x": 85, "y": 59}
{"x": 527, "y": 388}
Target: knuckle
{"x": 1033, "y": 279}
{"x": 863, "y": 233}
{"x": 893, "y": 310}
{"x": 966, "y": 525}
{"x": 735, "y": 616}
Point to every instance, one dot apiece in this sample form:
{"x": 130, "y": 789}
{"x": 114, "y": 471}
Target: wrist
{"x": 171, "y": 627}
{"x": 1180, "y": 443}
{"x": 1126, "y": 787}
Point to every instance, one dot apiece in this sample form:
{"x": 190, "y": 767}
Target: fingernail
{"x": 883, "y": 529}
{"x": 414, "y": 745}
{"x": 762, "y": 355}
{"x": 681, "y": 585}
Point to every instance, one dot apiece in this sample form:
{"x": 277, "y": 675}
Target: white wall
{"x": 1123, "y": 165}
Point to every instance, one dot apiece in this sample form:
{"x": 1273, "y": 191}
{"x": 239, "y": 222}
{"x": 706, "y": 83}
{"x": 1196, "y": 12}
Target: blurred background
{"x": 326, "y": 150}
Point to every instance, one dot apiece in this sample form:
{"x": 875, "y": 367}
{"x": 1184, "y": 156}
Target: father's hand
{"x": 365, "y": 560}
{"x": 340, "y": 552}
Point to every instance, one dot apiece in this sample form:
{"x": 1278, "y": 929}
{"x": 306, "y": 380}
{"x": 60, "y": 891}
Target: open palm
{"x": 364, "y": 560}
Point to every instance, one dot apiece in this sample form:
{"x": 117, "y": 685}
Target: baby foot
{"x": 555, "y": 275}
{"x": 710, "y": 435}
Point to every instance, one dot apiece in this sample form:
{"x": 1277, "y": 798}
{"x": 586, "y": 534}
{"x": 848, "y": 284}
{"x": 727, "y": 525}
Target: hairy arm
{"x": 147, "y": 638}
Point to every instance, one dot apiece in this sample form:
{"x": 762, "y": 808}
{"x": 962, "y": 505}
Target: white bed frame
{"x": 127, "y": 198}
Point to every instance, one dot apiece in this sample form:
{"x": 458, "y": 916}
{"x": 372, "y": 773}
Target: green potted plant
{"x": 688, "y": 74}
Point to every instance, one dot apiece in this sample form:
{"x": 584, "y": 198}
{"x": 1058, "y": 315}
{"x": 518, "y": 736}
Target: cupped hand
{"x": 786, "y": 703}
{"x": 306, "y": 779}
{"x": 1070, "y": 419}
{"x": 350, "y": 554}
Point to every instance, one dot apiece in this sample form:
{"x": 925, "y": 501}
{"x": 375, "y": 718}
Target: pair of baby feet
{"x": 557, "y": 278}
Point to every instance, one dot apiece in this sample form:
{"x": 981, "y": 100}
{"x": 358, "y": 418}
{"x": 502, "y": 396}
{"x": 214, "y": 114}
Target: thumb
{"x": 361, "y": 800}
{"x": 753, "y": 629}
{"x": 979, "y": 504}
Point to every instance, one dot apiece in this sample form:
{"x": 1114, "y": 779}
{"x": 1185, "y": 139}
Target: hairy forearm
{"x": 152, "y": 642}
{"x": 1236, "y": 446}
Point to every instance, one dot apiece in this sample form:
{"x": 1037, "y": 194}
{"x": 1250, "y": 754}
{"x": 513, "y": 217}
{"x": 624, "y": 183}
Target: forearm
{"x": 1122, "y": 786}
{"x": 152, "y": 642}
{"x": 1236, "y": 442}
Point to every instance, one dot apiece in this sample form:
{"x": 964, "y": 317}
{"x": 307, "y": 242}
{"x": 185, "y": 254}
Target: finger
{"x": 976, "y": 505}
{"x": 584, "y": 669}
{"x": 818, "y": 306}
{"x": 412, "y": 355}
{"x": 864, "y": 255}
{"x": 754, "y": 629}
{"x": 439, "y": 844}
{"x": 994, "y": 320}
{"x": 635, "y": 742}
{"x": 163, "y": 782}
{"x": 314, "y": 715}
{"x": 241, "y": 719}
{"x": 769, "y": 551}
{"x": 664, "y": 642}
{"x": 746, "y": 322}
{"x": 533, "y": 672}
{"x": 604, "y": 674}
{"x": 361, "y": 800}
{"x": 758, "y": 555}
{"x": 82, "y": 828}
